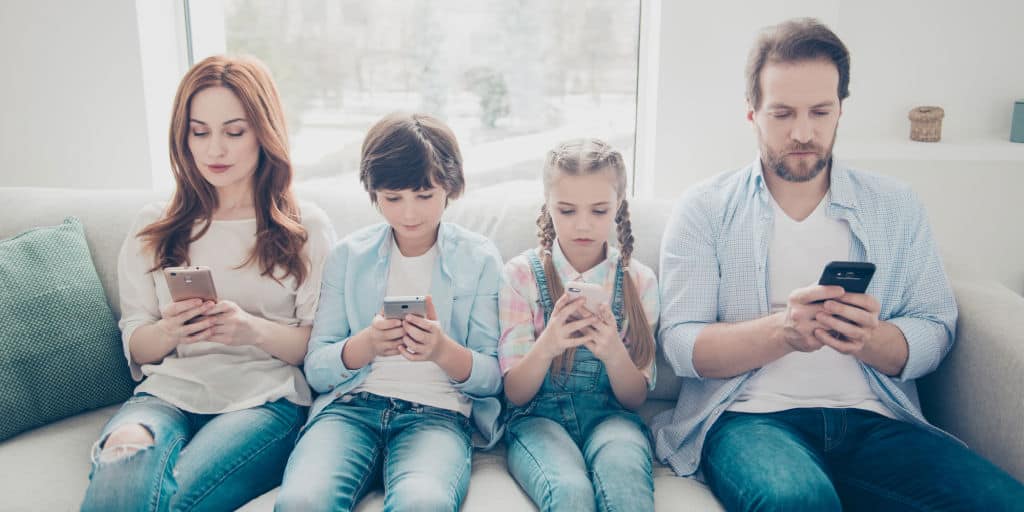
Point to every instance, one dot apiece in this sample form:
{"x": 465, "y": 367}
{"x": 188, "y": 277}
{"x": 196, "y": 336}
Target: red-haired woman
{"x": 222, "y": 398}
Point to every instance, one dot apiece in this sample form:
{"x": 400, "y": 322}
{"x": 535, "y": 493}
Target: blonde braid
{"x": 639, "y": 337}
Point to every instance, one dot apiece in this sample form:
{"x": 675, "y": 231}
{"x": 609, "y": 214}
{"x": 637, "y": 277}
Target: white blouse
{"x": 208, "y": 377}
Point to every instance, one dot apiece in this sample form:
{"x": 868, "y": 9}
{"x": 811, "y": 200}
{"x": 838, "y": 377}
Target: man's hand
{"x": 800, "y": 321}
{"x": 849, "y": 322}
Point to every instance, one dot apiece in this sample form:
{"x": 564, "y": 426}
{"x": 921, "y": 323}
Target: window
{"x": 512, "y": 78}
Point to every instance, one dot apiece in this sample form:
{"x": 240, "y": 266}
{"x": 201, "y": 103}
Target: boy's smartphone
{"x": 593, "y": 294}
{"x": 186, "y": 283}
{"x": 853, "y": 276}
{"x": 396, "y": 307}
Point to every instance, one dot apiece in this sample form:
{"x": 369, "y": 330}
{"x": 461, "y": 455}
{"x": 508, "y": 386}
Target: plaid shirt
{"x": 521, "y": 314}
{"x": 714, "y": 262}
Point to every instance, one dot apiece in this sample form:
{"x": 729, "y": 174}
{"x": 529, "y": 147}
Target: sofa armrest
{"x": 977, "y": 394}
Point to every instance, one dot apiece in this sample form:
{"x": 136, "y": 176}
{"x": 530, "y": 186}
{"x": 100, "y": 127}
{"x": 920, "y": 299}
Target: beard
{"x": 800, "y": 172}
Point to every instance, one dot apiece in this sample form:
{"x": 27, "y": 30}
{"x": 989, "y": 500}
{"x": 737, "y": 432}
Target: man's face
{"x": 798, "y": 117}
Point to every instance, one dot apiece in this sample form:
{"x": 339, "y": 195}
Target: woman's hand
{"x": 232, "y": 325}
{"x": 173, "y": 324}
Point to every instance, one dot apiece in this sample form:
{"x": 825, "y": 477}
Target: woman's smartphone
{"x": 396, "y": 307}
{"x": 186, "y": 283}
{"x": 853, "y": 276}
{"x": 593, "y": 294}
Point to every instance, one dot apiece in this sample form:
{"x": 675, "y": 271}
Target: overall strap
{"x": 542, "y": 284}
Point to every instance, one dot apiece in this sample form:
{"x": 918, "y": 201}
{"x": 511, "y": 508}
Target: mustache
{"x": 803, "y": 148}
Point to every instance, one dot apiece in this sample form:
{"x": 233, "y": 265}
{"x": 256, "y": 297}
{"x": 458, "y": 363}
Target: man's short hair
{"x": 796, "y": 40}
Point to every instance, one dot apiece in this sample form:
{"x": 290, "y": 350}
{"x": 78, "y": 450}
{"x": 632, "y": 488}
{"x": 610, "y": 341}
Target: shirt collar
{"x": 567, "y": 273}
{"x": 840, "y": 188}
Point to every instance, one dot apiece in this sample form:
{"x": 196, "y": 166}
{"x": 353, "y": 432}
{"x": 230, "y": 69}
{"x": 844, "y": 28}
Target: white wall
{"x": 74, "y": 112}
{"x": 962, "y": 56}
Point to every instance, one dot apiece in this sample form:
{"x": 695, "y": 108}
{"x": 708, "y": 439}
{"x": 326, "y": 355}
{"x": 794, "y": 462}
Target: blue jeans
{"x": 847, "y": 459}
{"x": 574, "y": 447}
{"x": 422, "y": 454}
{"x": 197, "y": 461}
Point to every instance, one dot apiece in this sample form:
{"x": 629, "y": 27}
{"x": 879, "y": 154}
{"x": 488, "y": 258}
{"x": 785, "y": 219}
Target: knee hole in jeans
{"x": 125, "y": 441}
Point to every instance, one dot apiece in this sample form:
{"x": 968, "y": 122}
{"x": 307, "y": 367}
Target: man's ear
{"x": 750, "y": 111}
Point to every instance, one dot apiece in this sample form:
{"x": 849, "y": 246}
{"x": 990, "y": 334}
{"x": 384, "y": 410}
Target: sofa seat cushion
{"x": 57, "y": 457}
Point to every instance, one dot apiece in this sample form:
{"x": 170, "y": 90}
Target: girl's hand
{"x": 563, "y": 330}
{"x": 424, "y": 339}
{"x": 604, "y": 340}
{"x": 175, "y": 315}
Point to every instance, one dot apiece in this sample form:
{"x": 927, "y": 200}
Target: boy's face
{"x": 798, "y": 117}
{"x": 413, "y": 215}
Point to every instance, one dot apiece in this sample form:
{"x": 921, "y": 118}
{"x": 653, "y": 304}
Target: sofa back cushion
{"x": 60, "y": 348}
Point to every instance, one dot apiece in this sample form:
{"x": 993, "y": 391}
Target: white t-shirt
{"x": 212, "y": 378}
{"x": 421, "y": 382}
{"x": 797, "y": 254}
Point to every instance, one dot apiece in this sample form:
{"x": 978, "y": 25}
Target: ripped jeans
{"x": 197, "y": 461}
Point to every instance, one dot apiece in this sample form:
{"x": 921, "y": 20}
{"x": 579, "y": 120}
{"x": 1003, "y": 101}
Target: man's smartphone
{"x": 396, "y": 307}
{"x": 853, "y": 276}
{"x": 186, "y": 283}
{"x": 593, "y": 294}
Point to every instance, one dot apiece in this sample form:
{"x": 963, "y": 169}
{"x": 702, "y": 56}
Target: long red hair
{"x": 280, "y": 235}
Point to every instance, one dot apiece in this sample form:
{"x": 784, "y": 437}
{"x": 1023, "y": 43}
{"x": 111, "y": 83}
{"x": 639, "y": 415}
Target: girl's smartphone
{"x": 186, "y": 283}
{"x": 593, "y": 294}
{"x": 396, "y": 307}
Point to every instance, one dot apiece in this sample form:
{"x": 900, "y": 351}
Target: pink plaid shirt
{"x": 522, "y": 316}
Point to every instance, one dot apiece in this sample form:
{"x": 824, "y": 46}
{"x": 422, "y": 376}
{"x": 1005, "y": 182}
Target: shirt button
{"x": 344, "y": 375}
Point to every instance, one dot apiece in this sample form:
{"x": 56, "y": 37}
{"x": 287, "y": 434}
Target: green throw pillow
{"x": 60, "y": 348}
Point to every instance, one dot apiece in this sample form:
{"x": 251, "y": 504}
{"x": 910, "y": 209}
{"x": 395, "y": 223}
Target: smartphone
{"x": 853, "y": 276}
{"x": 593, "y": 294}
{"x": 187, "y": 283}
{"x": 396, "y": 307}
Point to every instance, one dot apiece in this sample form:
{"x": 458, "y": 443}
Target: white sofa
{"x": 975, "y": 394}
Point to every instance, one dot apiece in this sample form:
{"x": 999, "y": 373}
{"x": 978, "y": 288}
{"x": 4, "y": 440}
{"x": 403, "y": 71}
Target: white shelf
{"x": 985, "y": 150}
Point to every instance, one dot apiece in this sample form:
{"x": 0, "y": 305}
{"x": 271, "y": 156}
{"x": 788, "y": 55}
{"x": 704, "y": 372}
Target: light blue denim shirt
{"x": 714, "y": 261}
{"x": 464, "y": 287}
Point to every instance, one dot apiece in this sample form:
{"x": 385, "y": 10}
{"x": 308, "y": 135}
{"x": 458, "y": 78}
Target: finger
{"x": 815, "y": 293}
{"x": 580, "y": 324}
{"x": 572, "y": 307}
{"x": 412, "y": 356}
{"x": 606, "y": 314}
{"x": 179, "y": 307}
{"x": 418, "y": 321}
{"x": 861, "y": 301}
{"x": 382, "y": 324}
{"x": 560, "y": 304}
{"x": 843, "y": 347}
{"x": 414, "y": 332}
{"x": 414, "y": 344}
{"x": 199, "y": 326}
{"x": 852, "y": 314}
{"x": 850, "y": 331}
{"x": 392, "y": 335}
{"x": 202, "y": 335}
{"x": 431, "y": 312}
{"x": 189, "y": 313}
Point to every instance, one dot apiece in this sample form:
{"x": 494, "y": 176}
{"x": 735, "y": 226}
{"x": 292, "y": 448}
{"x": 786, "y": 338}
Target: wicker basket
{"x": 926, "y": 124}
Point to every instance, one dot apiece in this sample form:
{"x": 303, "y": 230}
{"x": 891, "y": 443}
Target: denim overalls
{"x": 606, "y": 461}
